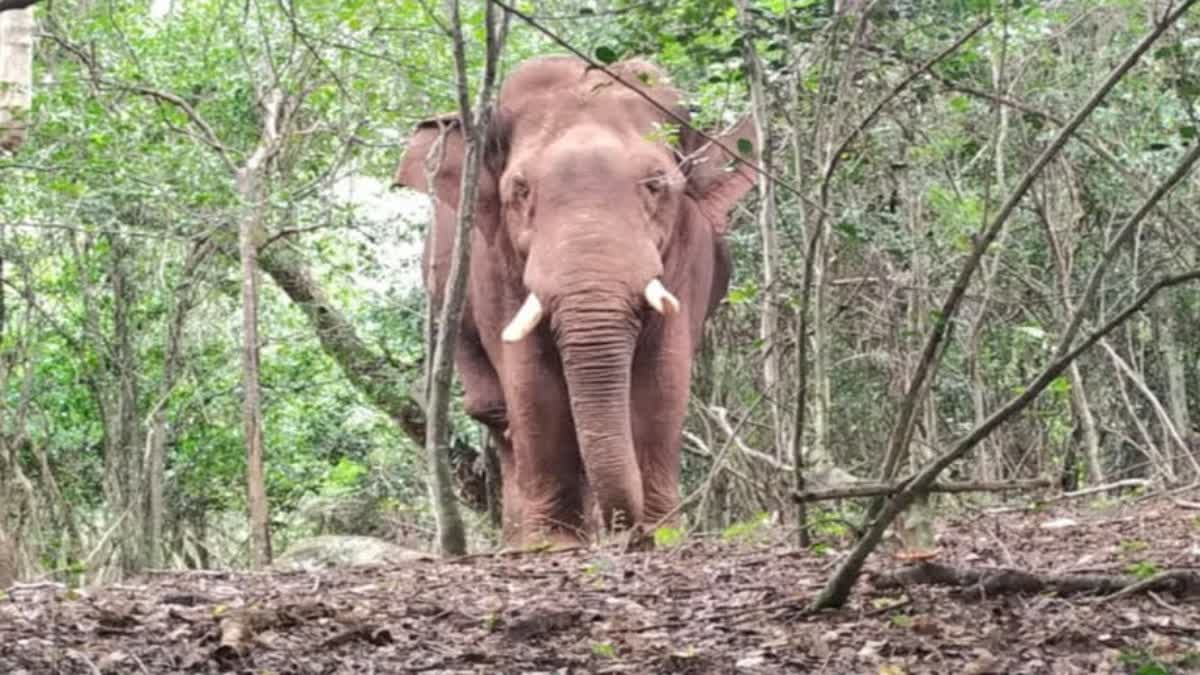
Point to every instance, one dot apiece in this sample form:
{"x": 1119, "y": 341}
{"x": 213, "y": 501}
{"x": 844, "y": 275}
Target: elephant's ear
{"x": 437, "y": 150}
{"x": 715, "y": 179}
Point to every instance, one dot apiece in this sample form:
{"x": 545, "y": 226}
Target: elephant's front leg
{"x": 658, "y": 404}
{"x": 549, "y": 473}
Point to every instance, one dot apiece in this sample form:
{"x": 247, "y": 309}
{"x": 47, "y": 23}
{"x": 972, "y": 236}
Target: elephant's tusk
{"x": 525, "y": 321}
{"x": 660, "y": 298}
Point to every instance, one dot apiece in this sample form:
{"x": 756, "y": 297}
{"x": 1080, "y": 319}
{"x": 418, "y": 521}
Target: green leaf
{"x": 960, "y": 104}
{"x": 1187, "y": 133}
{"x": 1060, "y": 385}
{"x": 668, "y": 537}
{"x": 606, "y": 55}
{"x": 742, "y": 294}
{"x": 1143, "y": 569}
{"x": 604, "y": 650}
{"x": 745, "y": 147}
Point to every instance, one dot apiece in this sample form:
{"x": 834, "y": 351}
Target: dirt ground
{"x": 708, "y": 605}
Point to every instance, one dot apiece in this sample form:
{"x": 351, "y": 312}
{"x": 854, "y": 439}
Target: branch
{"x": 879, "y": 489}
{"x": 991, "y": 581}
{"x": 209, "y": 134}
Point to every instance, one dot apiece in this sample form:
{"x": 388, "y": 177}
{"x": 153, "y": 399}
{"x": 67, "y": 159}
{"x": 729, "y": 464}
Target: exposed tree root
{"x": 989, "y": 581}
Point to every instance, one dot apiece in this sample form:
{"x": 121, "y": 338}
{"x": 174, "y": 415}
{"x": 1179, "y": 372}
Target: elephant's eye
{"x": 655, "y": 184}
{"x": 520, "y": 188}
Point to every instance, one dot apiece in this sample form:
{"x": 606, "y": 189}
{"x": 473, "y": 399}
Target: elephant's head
{"x": 587, "y": 198}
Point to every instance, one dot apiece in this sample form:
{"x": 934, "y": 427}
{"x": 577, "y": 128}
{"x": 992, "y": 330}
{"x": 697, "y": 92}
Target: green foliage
{"x": 604, "y": 650}
{"x": 668, "y": 537}
{"x": 1142, "y": 663}
{"x": 747, "y": 531}
{"x": 1142, "y": 569}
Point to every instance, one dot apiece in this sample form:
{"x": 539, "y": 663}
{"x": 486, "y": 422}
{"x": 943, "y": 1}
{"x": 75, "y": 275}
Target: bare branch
{"x": 209, "y": 135}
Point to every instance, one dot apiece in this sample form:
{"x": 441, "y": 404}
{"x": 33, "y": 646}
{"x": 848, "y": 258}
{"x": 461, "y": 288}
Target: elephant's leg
{"x": 658, "y": 404}
{"x": 549, "y": 472}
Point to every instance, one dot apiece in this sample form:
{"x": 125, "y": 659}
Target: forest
{"x": 943, "y": 415}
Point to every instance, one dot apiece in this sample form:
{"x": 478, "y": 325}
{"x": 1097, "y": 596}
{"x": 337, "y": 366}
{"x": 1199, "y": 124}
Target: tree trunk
{"x": 1087, "y": 424}
{"x": 122, "y": 457}
{"x": 252, "y": 190}
{"x": 16, "y": 76}
{"x": 451, "y": 532}
{"x": 768, "y": 332}
{"x": 1177, "y": 389}
{"x": 155, "y": 464}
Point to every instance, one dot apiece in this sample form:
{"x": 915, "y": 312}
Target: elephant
{"x": 599, "y": 251}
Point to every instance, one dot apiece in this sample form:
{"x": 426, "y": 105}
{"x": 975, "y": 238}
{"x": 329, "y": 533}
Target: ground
{"x": 708, "y": 605}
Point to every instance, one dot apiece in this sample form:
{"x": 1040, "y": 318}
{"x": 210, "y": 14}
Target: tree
{"x": 16, "y": 75}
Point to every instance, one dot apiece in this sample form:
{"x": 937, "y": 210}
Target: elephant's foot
{"x": 548, "y": 540}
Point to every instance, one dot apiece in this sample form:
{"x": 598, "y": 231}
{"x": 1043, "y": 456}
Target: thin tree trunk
{"x": 123, "y": 459}
{"x": 16, "y": 76}
{"x": 1177, "y": 388}
{"x": 154, "y": 459}
{"x": 768, "y": 331}
{"x": 256, "y": 491}
{"x": 1087, "y": 423}
{"x": 1172, "y": 433}
{"x": 451, "y": 532}
{"x": 252, "y": 189}
{"x": 8, "y": 558}
{"x": 155, "y": 465}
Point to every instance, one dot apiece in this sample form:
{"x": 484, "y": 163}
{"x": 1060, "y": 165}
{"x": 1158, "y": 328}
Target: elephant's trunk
{"x": 596, "y": 331}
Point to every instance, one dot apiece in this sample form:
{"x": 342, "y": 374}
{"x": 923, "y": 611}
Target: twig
{"x": 1183, "y": 582}
{"x": 1128, "y": 482}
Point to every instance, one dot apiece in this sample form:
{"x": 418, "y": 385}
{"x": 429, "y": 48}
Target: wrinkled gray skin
{"x": 582, "y": 206}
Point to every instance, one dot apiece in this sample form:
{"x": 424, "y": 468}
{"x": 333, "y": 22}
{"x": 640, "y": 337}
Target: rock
{"x": 333, "y": 550}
